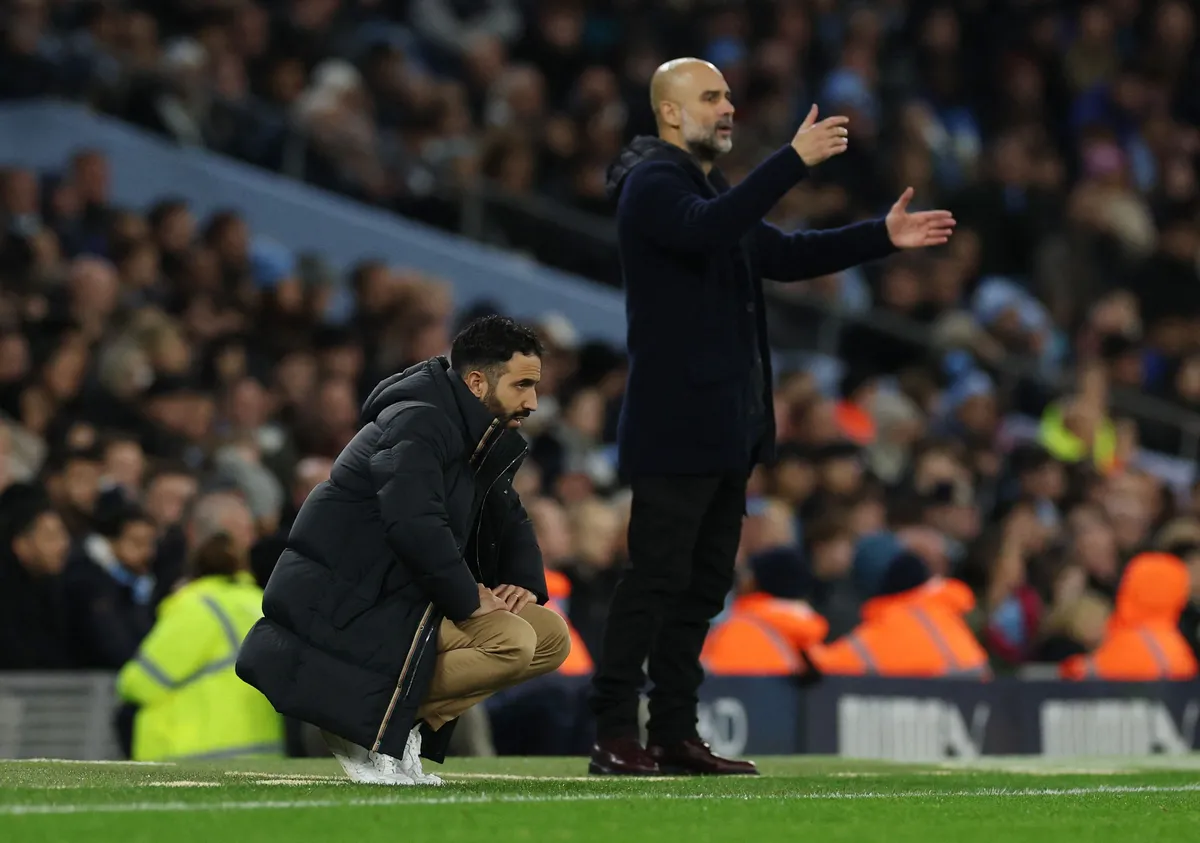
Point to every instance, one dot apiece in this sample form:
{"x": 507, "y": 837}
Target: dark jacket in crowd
{"x": 33, "y": 619}
{"x": 109, "y": 609}
{"x": 693, "y": 253}
{"x": 418, "y": 509}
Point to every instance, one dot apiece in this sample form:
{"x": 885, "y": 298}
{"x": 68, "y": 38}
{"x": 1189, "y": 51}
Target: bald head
{"x": 692, "y": 107}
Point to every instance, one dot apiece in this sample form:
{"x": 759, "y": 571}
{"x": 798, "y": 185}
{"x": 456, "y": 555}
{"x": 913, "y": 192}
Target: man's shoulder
{"x": 658, "y": 172}
{"x": 417, "y": 420}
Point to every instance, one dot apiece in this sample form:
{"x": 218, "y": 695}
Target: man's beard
{"x": 503, "y": 415}
{"x": 706, "y": 144}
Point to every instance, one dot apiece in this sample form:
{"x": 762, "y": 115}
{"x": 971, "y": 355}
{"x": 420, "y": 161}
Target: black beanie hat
{"x": 905, "y": 572}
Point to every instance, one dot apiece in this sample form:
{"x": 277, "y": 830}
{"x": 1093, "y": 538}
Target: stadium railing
{"x": 58, "y": 715}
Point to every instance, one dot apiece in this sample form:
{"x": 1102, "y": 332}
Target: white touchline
{"x": 481, "y": 799}
{"x": 88, "y": 761}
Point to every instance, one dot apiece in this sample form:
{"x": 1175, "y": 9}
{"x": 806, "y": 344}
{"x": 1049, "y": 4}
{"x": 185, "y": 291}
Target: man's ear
{"x": 668, "y": 114}
{"x": 477, "y": 382}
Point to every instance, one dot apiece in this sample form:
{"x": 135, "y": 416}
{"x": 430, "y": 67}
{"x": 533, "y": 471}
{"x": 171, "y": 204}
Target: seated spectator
{"x": 33, "y": 554}
{"x": 829, "y": 553}
{"x": 1078, "y": 427}
{"x": 72, "y": 477}
{"x": 109, "y": 585}
{"x": 189, "y": 702}
{"x": 912, "y": 627}
{"x": 1143, "y": 642}
{"x": 769, "y": 624}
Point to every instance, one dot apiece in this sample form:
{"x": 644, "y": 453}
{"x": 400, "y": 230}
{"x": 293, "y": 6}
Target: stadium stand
{"x": 1018, "y": 410}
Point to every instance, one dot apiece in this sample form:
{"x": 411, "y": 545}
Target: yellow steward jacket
{"x": 191, "y": 703}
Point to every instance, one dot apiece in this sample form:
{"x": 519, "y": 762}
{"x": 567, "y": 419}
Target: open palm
{"x": 916, "y": 231}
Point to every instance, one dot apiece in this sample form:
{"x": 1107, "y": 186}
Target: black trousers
{"x": 683, "y": 538}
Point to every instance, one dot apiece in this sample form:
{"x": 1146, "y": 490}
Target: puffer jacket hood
{"x": 431, "y": 382}
{"x": 640, "y": 149}
{"x": 1155, "y": 588}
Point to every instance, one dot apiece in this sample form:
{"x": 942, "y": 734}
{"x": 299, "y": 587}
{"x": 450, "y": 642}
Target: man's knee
{"x": 553, "y": 639}
{"x": 511, "y": 642}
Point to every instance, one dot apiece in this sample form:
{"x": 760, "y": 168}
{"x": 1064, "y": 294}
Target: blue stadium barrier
{"x": 145, "y": 167}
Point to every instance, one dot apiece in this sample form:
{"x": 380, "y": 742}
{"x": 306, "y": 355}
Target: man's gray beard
{"x": 709, "y": 148}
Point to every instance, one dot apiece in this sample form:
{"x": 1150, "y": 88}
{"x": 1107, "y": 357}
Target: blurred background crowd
{"x": 165, "y": 379}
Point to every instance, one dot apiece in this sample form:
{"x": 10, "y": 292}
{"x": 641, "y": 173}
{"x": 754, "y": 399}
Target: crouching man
{"x": 412, "y": 585}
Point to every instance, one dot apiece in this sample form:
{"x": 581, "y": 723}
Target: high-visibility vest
{"x": 579, "y": 660}
{"x": 1143, "y": 642}
{"x": 918, "y": 633}
{"x": 1148, "y": 654}
{"x": 1065, "y": 446}
{"x": 762, "y": 636}
{"x": 191, "y": 702}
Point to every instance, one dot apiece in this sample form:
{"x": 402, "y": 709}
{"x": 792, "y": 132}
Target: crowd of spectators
{"x": 1063, "y": 135}
{"x": 163, "y": 378}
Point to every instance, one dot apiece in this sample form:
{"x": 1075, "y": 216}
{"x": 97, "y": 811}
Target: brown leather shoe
{"x": 694, "y": 757}
{"x": 621, "y": 757}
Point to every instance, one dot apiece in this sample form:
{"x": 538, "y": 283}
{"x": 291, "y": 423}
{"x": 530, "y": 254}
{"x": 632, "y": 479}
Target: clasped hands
{"x": 510, "y": 598}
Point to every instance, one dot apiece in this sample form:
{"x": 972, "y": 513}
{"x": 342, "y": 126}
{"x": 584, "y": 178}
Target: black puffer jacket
{"x": 419, "y": 507}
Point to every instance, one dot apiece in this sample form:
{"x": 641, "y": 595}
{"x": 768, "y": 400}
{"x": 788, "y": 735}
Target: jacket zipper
{"x": 412, "y": 649}
{"x": 483, "y": 503}
{"x": 403, "y": 673}
{"x": 487, "y": 434}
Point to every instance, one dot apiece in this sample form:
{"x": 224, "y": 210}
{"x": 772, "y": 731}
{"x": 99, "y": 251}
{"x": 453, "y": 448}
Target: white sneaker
{"x": 410, "y": 765}
{"x": 364, "y": 767}
{"x": 391, "y": 771}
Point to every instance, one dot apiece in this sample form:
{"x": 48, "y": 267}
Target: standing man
{"x": 698, "y": 409}
{"x": 412, "y": 586}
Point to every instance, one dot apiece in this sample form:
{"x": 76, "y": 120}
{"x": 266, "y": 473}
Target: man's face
{"x": 833, "y": 559}
{"x": 81, "y": 484}
{"x": 135, "y": 546}
{"x": 125, "y": 463}
{"x": 841, "y": 476}
{"x": 168, "y": 497}
{"x": 705, "y": 113}
{"x": 510, "y": 394}
{"x": 43, "y": 548}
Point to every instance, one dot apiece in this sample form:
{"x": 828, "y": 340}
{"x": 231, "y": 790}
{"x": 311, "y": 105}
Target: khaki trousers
{"x": 480, "y": 656}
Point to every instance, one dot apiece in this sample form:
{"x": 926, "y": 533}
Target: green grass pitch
{"x": 538, "y": 799}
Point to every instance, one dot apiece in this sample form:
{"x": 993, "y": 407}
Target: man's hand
{"x": 515, "y": 598}
{"x": 816, "y": 142}
{"x": 488, "y": 603}
{"x": 916, "y": 231}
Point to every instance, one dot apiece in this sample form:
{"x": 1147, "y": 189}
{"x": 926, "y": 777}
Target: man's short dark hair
{"x": 486, "y": 344}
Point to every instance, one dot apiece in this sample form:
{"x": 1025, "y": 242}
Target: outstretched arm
{"x": 808, "y": 254}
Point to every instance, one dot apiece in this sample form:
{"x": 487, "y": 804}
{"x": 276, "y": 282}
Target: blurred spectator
{"x": 33, "y": 618}
{"x": 188, "y": 700}
{"x": 911, "y": 627}
{"x": 110, "y": 585}
{"x": 1142, "y": 641}
{"x": 768, "y": 624}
